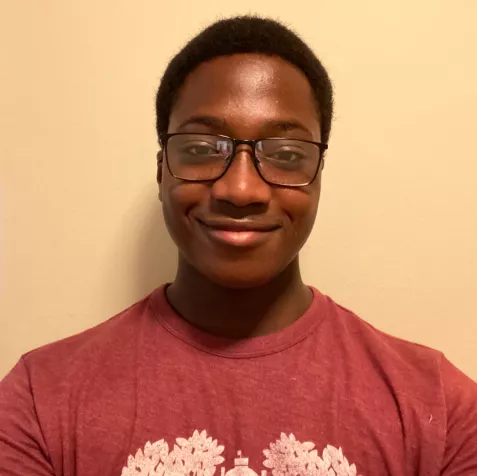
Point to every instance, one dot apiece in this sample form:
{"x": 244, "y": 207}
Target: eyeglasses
{"x": 206, "y": 157}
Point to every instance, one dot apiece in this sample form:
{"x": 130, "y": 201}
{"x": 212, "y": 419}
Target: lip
{"x": 237, "y": 233}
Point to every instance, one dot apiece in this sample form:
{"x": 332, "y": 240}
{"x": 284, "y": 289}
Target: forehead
{"x": 246, "y": 91}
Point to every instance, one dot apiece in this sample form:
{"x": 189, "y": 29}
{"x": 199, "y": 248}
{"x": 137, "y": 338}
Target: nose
{"x": 241, "y": 185}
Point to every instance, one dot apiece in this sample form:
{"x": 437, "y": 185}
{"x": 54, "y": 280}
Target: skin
{"x": 257, "y": 288}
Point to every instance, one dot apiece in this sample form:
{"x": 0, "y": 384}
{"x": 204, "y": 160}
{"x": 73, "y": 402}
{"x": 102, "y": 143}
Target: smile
{"x": 237, "y": 233}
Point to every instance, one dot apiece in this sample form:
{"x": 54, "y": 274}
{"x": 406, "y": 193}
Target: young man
{"x": 238, "y": 367}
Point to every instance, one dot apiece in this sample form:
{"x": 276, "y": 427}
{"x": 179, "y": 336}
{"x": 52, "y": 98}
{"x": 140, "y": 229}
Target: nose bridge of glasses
{"x": 247, "y": 146}
{"x": 242, "y": 160}
{"x": 244, "y": 148}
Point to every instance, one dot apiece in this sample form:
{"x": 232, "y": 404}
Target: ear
{"x": 160, "y": 164}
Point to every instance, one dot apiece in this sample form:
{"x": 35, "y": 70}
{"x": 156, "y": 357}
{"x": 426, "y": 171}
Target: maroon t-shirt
{"x": 145, "y": 393}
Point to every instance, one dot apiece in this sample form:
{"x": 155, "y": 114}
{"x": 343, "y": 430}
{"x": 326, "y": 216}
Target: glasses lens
{"x": 288, "y": 161}
{"x": 198, "y": 156}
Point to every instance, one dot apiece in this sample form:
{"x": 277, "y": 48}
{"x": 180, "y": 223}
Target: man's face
{"x": 239, "y": 231}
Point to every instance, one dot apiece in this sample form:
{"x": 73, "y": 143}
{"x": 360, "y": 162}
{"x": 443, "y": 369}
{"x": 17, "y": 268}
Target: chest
{"x": 244, "y": 417}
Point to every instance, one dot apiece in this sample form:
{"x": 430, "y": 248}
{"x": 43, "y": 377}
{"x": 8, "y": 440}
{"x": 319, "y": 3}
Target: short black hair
{"x": 245, "y": 34}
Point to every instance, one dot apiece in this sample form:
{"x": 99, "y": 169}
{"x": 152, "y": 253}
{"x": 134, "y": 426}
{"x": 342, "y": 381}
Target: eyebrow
{"x": 215, "y": 122}
{"x": 286, "y": 126}
{"x": 208, "y": 121}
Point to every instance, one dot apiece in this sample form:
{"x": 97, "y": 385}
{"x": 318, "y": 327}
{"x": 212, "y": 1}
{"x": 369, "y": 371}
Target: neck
{"x": 238, "y": 313}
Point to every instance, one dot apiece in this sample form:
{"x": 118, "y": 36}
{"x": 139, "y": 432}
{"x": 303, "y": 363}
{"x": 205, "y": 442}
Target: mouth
{"x": 237, "y": 233}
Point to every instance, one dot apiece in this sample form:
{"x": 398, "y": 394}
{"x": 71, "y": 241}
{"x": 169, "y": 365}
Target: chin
{"x": 233, "y": 278}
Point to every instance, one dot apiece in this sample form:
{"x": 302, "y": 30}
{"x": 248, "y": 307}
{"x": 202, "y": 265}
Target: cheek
{"x": 175, "y": 206}
{"x": 301, "y": 206}
{"x": 178, "y": 198}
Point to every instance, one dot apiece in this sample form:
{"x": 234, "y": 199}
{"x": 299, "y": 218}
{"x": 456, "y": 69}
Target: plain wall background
{"x": 81, "y": 228}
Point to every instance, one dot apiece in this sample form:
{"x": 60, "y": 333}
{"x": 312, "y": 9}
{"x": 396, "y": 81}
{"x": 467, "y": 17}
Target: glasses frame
{"x": 164, "y": 139}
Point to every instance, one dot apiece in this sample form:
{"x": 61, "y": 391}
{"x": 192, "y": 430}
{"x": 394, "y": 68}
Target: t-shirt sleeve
{"x": 23, "y": 450}
{"x": 460, "y": 456}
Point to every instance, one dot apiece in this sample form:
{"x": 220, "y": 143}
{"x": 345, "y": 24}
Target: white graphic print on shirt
{"x": 200, "y": 455}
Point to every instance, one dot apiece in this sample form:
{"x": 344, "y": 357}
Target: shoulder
{"x": 367, "y": 339}
{"x": 411, "y": 368}
{"x": 422, "y": 381}
{"x": 101, "y": 346}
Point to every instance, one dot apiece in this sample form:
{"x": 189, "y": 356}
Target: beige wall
{"x": 81, "y": 230}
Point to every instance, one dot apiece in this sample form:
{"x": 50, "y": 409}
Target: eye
{"x": 200, "y": 149}
{"x": 287, "y": 154}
